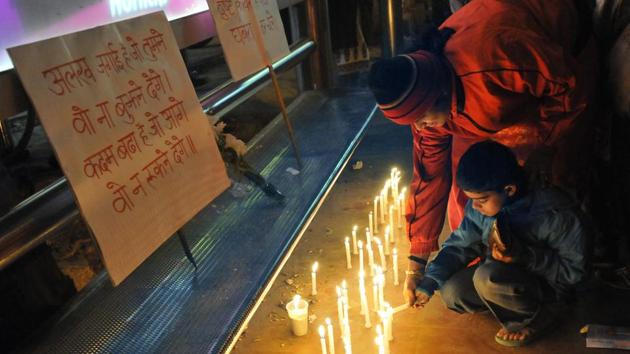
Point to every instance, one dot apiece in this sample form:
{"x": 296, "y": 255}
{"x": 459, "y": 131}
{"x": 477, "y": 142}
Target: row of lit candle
{"x": 355, "y": 246}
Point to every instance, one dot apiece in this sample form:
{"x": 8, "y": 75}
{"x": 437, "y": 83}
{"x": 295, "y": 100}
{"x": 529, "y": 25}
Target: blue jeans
{"x": 513, "y": 295}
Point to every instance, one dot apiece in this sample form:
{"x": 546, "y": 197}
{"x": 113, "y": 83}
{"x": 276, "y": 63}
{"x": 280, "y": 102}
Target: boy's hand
{"x": 421, "y": 299}
{"x": 497, "y": 254}
{"x": 409, "y": 289}
{"x": 414, "y": 274}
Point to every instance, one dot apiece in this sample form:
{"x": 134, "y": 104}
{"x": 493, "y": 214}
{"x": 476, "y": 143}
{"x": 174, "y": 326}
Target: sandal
{"x": 544, "y": 321}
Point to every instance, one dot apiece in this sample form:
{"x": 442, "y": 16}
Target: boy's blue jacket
{"x": 547, "y": 224}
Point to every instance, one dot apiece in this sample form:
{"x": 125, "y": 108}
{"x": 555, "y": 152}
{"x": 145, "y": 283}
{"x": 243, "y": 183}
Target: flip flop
{"x": 537, "y": 328}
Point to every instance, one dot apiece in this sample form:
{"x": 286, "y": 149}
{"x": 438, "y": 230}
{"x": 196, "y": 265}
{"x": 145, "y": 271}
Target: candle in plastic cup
{"x": 298, "y": 313}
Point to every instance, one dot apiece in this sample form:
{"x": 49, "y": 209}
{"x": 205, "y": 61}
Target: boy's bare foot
{"x": 520, "y": 336}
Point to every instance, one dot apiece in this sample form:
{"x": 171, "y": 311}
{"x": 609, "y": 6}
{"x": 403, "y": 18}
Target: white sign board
{"x": 237, "y": 34}
{"x": 120, "y": 111}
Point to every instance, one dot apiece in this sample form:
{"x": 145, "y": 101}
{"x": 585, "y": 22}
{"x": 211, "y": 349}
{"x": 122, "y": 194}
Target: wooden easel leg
{"x": 186, "y": 248}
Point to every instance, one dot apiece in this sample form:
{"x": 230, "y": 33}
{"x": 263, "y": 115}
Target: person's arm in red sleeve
{"x": 428, "y": 196}
{"x": 430, "y": 186}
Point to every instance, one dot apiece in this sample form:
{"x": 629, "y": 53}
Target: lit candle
{"x": 401, "y": 212}
{"x": 339, "y": 307}
{"x": 370, "y": 252}
{"x": 368, "y": 236}
{"x": 364, "y": 303}
{"x": 348, "y": 261}
{"x": 380, "y": 341}
{"x": 322, "y": 338}
{"x": 381, "y": 286}
{"x": 387, "y": 239}
{"x": 376, "y": 214}
{"x": 385, "y": 324}
{"x": 390, "y": 321}
{"x": 375, "y": 293}
{"x": 361, "y": 290}
{"x": 344, "y": 296}
{"x": 391, "y": 222}
{"x": 354, "y": 239}
{"x": 361, "y": 266}
{"x": 314, "y": 278}
{"x": 348, "y": 340}
{"x": 386, "y": 191}
{"x": 382, "y": 206}
{"x": 298, "y": 313}
{"x": 371, "y": 222}
{"x": 395, "y": 265}
{"x": 381, "y": 253}
{"x": 392, "y": 173}
{"x": 331, "y": 338}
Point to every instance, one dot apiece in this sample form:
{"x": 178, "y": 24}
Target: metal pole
{"x": 322, "y": 64}
{"x": 391, "y": 18}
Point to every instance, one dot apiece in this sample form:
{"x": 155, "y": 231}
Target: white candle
{"x": 368, "y": 323}
{"x": 348, "y": 340}
{"x": 298, "y": 313}
{"x": 390, "y": 321}
{"x": 387, "y": 239}
{"x": 395, "y": 265}
{"x": 322, "y": 338}
{"x": 354, "y": 239}
{"x": 392, "y": 226}
{"x": 381, "y": 253}
{"x": 386, "y": 191}
{"x": 361, "y": 266}
{"x": 381, "y": 286}
{"x": 380, "y": 341}
{"x": 375, "y": 293}
{"x": 361, "y": 290}
{"x": 368, "y": 235}
{"x": 401, "y": 212}
{"x": 365, "y": 311}
{"x": 344, "y": 296}
{"x": 382, "y": 206}
{"x": 376, "y": 214}
{"x": 339, "y": 307}
{"x": 314, "y": 278}
{"x": 348, "y": 260}
{"x": 400, "y": 308}
{"x": 385, "y": 324}
{"x": 370, "y": 252}
{"x": 331, "y": 338}
{"x": 371, "y": 222}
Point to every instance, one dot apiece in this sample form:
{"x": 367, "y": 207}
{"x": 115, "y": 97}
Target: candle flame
{"x": 395, "y": 250}
{"x": 344, "y": 284}
{"x": 355, "y": 228}
{"x": 322, "y": 331}
{"x": 360, "y": 244}
{"x": 328, "y": 322}
{"x": 347, "y": 241}
{"x": 338, "y": 289}
{"x": 314, "y": 267}
{"x": 296, "y": 300}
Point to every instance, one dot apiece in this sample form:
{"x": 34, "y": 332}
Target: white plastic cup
{"x": 298, "y": 313}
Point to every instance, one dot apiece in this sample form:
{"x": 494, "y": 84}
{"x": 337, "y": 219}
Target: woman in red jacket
{"x": 518, "y": 72}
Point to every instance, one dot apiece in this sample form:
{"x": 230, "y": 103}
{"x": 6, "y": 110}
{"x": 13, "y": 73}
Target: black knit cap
{"x": 390, "y": 78}
{"x": 488, "y": 166}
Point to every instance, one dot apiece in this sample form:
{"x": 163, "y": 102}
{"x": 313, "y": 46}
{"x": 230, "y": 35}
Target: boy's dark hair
{"x": 489, "y": 166}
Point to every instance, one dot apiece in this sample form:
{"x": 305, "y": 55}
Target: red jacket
{"x": 522, "y": 86}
